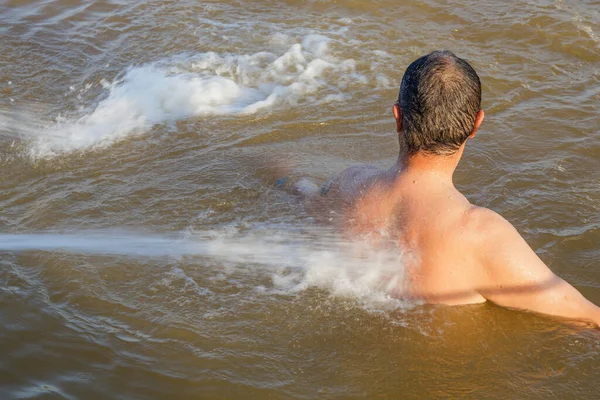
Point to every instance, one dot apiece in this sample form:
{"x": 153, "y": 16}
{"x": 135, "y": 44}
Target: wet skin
{"x": 454, "y": 252}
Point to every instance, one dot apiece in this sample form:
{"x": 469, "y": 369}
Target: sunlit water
{"x": 145, "y": 253}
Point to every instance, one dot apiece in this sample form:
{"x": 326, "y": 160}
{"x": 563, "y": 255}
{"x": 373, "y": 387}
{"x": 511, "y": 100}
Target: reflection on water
{"x": 175, "y": 119}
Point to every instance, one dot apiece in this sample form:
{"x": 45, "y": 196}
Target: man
{"x": 456, "y": 253}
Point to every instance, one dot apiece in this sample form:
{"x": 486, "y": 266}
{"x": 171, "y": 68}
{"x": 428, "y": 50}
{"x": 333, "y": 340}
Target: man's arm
{"x": 514, "y": 276}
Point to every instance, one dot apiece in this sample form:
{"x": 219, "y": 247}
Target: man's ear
{"x": 478, "y": 121}
{"x": 397, "y": 116}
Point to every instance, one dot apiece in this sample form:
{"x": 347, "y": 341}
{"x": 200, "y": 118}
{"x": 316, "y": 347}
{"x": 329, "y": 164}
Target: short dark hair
{"x": 440, "y": 96}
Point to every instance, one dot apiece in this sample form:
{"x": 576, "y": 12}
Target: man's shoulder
{"x": 497, "y": 250}
{"x": 486, "y": 227}
{"x": 358, "y": 171}
{"x": 352, "y": 178}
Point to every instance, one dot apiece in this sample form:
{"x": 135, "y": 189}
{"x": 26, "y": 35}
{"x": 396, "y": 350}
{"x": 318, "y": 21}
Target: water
{"x": 145, "y": 253}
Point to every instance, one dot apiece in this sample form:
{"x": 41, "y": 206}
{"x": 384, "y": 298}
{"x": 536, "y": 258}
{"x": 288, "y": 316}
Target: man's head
{"x": 439, "y": 104}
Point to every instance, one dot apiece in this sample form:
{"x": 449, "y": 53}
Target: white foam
{"x": 579, "y": 23}
{"x": 206, "y": 84}
{"x": 295, "y": 262}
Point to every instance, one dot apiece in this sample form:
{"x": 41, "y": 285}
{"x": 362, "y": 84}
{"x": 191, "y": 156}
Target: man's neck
{"x": 427, "y": 166}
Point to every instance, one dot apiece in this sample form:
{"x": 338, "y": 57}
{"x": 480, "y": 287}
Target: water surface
{"x": 144, "y": 253}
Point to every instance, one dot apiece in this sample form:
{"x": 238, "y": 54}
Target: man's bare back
{"x": 456, "y": 253}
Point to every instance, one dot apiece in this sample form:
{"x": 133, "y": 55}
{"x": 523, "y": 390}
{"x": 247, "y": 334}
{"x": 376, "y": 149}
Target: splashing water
{"x": 295, "y": 261}
{"x": 203, "y": 84}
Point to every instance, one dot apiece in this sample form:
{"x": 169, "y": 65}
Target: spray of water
{"x": 295, "y": 261}
{"x": 194, "y": 85}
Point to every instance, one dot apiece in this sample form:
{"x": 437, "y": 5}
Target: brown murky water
{"x": 144, "y": 253}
